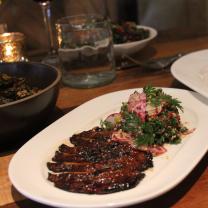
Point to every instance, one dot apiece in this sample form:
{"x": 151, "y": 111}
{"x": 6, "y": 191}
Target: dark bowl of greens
{"x": 28, "y": 94}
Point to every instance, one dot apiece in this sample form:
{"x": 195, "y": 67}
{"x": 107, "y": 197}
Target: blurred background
{"x": 172, "y": 18}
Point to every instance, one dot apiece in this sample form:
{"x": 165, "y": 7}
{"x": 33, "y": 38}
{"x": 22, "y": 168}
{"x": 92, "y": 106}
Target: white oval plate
{"x": 192, "y": 70}
{"x": 28, "y": 171}
{"x": 133, "y": 47}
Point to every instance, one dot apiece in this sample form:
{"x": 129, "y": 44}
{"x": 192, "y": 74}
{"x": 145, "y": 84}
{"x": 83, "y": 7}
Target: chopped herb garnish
{"x": 156, "y": 97}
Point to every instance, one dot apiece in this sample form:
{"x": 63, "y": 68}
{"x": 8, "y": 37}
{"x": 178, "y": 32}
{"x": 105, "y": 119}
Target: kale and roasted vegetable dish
{"x": 128, "y": 32}
{"x": 14, "y": 88}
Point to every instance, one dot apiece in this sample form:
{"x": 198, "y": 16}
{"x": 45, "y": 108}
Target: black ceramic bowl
{"x": 21, "y": 117}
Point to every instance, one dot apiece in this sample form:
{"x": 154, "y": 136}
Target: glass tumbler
{"x": 85, "y": 50}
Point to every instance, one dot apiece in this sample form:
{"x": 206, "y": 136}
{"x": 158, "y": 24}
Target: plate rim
{"x": 187, "y": 82}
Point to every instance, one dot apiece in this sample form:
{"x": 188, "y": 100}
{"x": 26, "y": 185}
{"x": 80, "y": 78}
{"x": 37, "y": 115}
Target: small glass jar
{"x": 12, "y": 47}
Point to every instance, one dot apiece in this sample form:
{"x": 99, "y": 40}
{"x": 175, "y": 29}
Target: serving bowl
{"x": 135, "y": 46}
{"x": 19, "y": 118}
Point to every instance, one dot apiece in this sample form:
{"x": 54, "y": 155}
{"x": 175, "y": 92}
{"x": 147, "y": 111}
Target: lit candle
{"x": 11, "y": 47}
{"x": 8, "y": 49}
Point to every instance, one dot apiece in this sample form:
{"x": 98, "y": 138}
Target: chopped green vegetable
{"x": 160, "y": 127}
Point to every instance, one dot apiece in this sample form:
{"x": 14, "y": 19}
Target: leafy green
{"x": 158, "y": 132}
{"x": 156, "y": 97}
{"x": 130, "y": 121}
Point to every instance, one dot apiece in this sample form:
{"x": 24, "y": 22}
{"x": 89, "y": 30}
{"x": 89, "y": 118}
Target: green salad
{"x": 148, "y": 120}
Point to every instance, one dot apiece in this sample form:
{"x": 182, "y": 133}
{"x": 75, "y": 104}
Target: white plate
{"x": 192, "y": 70}
{"x": 28, "y": 172}
{"x": 133, "y": 47}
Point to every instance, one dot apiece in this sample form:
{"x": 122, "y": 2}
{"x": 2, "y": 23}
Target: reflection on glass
{"x": 51, "y": 58}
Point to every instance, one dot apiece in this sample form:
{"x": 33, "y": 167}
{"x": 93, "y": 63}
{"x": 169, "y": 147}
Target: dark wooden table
{"x": 192, "y": 192}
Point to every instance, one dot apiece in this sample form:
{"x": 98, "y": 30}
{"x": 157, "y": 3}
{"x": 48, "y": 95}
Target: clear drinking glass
{"x": 85, "y": 50}
{"x": 51, "y": 57}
